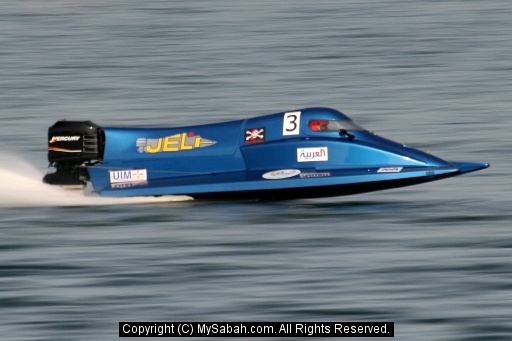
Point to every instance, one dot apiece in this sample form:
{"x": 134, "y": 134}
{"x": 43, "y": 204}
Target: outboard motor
{"x": 72, "y": 146}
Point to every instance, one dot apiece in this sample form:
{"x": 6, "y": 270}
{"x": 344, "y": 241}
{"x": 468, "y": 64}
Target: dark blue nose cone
{"x": 468, "y": 167}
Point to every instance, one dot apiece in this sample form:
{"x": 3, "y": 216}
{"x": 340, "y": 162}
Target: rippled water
{"x": 435, "y": 259}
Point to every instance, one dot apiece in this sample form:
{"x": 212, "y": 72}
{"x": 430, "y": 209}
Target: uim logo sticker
{"x": 131, "y": 175}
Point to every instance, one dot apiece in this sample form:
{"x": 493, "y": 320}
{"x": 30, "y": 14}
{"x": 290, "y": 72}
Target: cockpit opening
{"x": 333, "y": 125}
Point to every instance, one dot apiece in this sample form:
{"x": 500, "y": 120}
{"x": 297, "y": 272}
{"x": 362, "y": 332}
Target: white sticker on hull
{"x": 390, "y": 170}
{"x": 129, "y": 184}
{"x": 281, "y": 174}
{"x": 312, "y": 154}
{"x": 131, "y": 175}
{"x": 315, "y": 175}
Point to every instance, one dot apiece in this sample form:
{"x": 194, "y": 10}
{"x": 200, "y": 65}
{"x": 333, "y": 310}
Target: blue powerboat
{"x": 308, "y": 153}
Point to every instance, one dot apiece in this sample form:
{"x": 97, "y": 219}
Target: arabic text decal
{"x": 312, "y": 154}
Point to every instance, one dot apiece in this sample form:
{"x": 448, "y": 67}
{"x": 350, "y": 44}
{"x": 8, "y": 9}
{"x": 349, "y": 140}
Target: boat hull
{"x": 309, "y": 153}
{"x": 298, "y": 184}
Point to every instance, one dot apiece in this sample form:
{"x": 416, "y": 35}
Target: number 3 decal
{"x": 291, "y": 123}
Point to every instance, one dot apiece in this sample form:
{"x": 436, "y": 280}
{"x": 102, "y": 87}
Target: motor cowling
{"x": 72, "y": 146}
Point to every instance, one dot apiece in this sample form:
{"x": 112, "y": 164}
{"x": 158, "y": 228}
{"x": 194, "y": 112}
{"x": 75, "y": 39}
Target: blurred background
{"x": 435, "y": 258}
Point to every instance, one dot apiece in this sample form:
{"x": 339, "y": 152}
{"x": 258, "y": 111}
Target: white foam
{"x": 21, "y": 186}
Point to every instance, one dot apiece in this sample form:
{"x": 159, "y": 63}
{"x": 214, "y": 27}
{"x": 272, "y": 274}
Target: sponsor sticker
{"x": 130, "y": 175}
{"x": 281, "y": 174}
{"x": 312, "y": 154}
{"x": 173, "y": 143}
{"x": 254, "y": 135}
{"x": 128, "y": 184}
{"x": 314, "y": 175}
{"x": 390, "y": 170}
{"x": 64, "y": 139}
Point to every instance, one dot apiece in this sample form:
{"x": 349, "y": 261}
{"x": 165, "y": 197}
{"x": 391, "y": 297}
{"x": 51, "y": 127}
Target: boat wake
{"x": 21, "y": 186}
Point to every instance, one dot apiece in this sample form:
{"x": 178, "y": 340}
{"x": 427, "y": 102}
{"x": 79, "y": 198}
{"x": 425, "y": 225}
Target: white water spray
{"x": 21, "y": 186}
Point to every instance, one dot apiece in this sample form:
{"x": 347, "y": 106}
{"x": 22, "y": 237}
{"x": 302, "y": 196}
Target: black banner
{"x": 256, "y": 329}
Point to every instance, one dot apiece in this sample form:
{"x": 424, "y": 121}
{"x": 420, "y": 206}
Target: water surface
{"x": 435, "y": 258}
